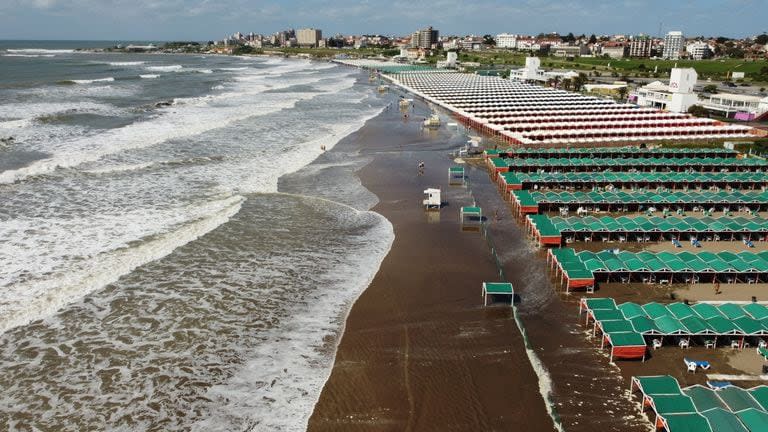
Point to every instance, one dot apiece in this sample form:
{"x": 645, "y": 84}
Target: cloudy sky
{"x": 213, "y": 19}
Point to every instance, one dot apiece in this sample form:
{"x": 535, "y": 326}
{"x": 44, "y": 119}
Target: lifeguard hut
{"x": 432, "y": 199}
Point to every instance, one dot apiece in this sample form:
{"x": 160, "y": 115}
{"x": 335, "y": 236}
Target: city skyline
{"x": 183, "y": 20}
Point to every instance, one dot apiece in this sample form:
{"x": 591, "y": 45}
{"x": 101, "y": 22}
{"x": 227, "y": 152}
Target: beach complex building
{"x": 738, "y": 106}
{"x": 308, "y": 37}
{"x": 677, "y": 96}
{"x": 674, "y": 43}
{"x": 532, "y": 72}
{"x": 522, "y": 113}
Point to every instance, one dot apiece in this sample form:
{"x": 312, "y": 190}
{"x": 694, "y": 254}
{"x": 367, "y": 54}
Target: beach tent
{"x": 684, "y": 422}
{"x": 703, "y": 398}
{"x": 724, "y": 421}
{"x": 737, "y": 399}
{"x": 656, "y": 385}
{"x": 456, "y": 175}
{"x": 626, "y": 345}
{"x": 500, "y": 289}
{"x": 760, "y": 394}
{"x": 755, "y": 420}
{"x": 471, "y": 215}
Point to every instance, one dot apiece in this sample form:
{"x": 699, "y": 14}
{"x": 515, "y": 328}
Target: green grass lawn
{"x": 716, "y": 69}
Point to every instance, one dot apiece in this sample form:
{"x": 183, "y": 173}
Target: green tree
{"x": 489, "y": 40}
{"x": 623, "y": 91}
{"x": 710, "y": 88}
{"x": 579, "y": 81}
{"x": 698, "y": 111}
{"x": 762, "y": 39}
{"x": 593, "y": 39}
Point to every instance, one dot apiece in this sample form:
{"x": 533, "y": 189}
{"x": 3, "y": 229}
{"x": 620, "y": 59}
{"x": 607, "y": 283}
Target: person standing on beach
{"x": 717, "y": 287}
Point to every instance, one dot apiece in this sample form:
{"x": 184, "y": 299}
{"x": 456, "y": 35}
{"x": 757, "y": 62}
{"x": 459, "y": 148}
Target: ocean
{"x": 155, "y": 273}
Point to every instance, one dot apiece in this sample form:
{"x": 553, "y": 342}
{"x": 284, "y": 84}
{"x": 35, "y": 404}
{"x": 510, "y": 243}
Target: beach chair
{"x": 696, "y": 243}
{"x": 676, "y": 242}
{"x": 684, "y": 344}
{"x": 656, "y": 343}
{"x": 702, "y": 364}
{"x": 763, "y": 352}
{"x": 749, "y": 243}
{"x": 709, "y": 343}
{"x": 716, "y": 385}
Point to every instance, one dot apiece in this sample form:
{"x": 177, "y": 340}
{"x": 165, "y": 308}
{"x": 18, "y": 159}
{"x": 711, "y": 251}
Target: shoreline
{"x": 569, "y": 361}
{"x": 418, "y": 351}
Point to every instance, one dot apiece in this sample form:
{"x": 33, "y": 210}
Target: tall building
{"x": 424, "y": 38}
{"x": 506, "y": 40}
{"x": 640, "y": 46}
{"x": 699, "y": 50}
{"x": 308, "y": 37}
{"x": 674, "y": 42}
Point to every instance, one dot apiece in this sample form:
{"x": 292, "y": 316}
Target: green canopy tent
{"x": 703, "y": 398}
{"x": 737, "y": 399}
{"x": 685, "y": 422}
{"x": 724, "y": 421}
{"x": 760, "y": 394}
{"x": 655, "y": 385}
{"x": 498, "y": 289}
{"x": 755, "y": 420}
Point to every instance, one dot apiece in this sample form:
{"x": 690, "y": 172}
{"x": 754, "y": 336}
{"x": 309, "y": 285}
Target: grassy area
{"x": 630, "y": 68}
{"x": 715, "y": 69}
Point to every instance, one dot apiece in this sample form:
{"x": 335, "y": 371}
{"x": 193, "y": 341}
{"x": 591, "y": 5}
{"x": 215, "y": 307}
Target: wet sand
{"x": 419, "y": 351}
{"x": 590, "y": 394}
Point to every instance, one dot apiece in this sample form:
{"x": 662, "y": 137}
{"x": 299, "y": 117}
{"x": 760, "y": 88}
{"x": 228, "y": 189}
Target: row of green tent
{"x": 677, "y": 179}
{"x": 626, "y": 163}
{"x": 677, "y": 319}
{"x": 642, "y": 197}
{"x": 680, "y": 262}
{"x": 702, "y": 409}
{"x": 608, "y": 151}
{"x": 644, "y": 224}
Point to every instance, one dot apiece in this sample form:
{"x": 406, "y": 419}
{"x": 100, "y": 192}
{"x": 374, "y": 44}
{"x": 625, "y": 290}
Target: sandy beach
{"x": 419, "y": 351}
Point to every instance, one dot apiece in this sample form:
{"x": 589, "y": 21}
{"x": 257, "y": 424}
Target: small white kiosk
{"x": 432, "y": 199}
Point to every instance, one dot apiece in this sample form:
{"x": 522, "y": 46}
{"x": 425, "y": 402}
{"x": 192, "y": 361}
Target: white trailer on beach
{"x": 432, "y": 199}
